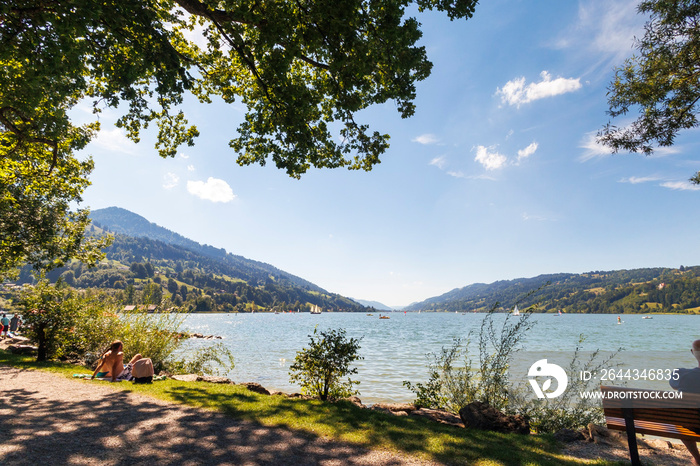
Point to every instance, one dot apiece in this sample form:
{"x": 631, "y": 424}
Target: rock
{"x": 255, "y": 387}
{"x": 569, "y": 435}
{"x": 480, "y": 415}
{"x": 598, "y": 434}
{"x": 396, "y": 407}
{"x": 213, "y": 379}
{"x": 186, "y": 377}
{"x": 440, "y": 416}
{"x": 355, "y": 400}
{"x": 658, "y": 444}
{"x": 23, "y": 349}
{"x": 300, "y": 396}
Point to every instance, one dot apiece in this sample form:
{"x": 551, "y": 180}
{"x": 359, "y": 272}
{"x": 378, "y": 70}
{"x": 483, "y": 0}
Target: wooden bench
{"x": 634, "y": 414}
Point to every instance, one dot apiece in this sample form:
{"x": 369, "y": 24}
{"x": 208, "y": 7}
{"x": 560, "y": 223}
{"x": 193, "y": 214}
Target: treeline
{"x": 623, "y": 291}
{"x": 140, "y": 271}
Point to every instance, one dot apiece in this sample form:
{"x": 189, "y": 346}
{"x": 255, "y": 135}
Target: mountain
{"x": 638, "y": 290}
{"x": 375, "y": 304}
{"x": 148, "y": 264}
{"x": 118, "y": 220}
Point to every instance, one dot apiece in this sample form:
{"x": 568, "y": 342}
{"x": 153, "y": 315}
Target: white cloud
{"x": 190, "y": 168}
{"x": 115, "y": 140}
{"x": 595, "y": 150}
{"x": 515, "y": 92}
{"x": 528, "y": 151}
{"x": 170, "y": 180}
{"x": 490, "y": 160}
{"x": 426, "y": 139}
{"x": 681, "y": 185}
{"x": 439, "y": 162}
{"x": 184, "y": 156}
{"x": 214, "y": 190}
{"x": 639, "y": 179}
{"x": 592, "y": 149}
{"x": 606, "y": 28}
{"x": 527, "y": 217}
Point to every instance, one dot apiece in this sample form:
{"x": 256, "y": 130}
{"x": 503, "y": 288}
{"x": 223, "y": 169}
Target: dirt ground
{"x": 50, "y": 419}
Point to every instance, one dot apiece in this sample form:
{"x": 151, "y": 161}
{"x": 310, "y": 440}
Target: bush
{"x": 210, "y": 360}
{"x": 81, "y": 325}
{"x": 320, "y": 367}
{"x": 453, "y": 382}
{"x": 570, "y": 410}
{"x": 49, "y": 317}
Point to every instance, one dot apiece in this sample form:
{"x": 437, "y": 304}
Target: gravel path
{"x": 48, "y": 419}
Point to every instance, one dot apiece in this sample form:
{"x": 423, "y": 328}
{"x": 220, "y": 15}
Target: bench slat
{"x": 653, "y": 428}
{"x": 689, "y": 419}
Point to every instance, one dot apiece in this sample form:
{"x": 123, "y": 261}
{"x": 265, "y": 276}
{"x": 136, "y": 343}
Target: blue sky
{"x": 496, "y": 177}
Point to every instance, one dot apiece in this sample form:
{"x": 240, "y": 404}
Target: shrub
{"x": 320, "y": 368}
{"x": 50, "y": 312}
{"x": 569, "y": 410}
{"x": 211, "y": 360}
{"x": 66, "y": 323}
{"x": 453, "y": 382}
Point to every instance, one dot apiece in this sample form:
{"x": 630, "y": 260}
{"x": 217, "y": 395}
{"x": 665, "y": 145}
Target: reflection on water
{"x": 394, "y": 349}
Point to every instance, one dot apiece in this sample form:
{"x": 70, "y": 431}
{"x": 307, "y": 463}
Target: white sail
{"x": 516, "y": 311}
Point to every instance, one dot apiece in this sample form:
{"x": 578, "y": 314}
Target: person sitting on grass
{"x": 111, "y": 363}
{"x": 689, "y": 381}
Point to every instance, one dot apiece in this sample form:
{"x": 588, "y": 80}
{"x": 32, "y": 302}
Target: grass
{"x": 344, "y": 421}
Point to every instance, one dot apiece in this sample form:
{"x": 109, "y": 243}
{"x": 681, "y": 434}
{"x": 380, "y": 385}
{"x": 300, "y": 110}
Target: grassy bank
{"x": 343, "y": 421}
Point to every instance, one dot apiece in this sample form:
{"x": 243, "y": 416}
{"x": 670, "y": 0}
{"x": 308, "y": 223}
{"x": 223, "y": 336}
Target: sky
{"x": 497, "y": 176}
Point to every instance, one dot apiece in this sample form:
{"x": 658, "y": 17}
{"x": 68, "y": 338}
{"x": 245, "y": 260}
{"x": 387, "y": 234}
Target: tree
{"x": 36, "y": 190}
{"x": 303, "y": 69}
{"x": 321, "y": 367}
{"x": 662, "y": 81}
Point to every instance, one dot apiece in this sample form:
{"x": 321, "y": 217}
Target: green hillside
{"x": 153, "y": 265}
{"x": 622, "y": 291}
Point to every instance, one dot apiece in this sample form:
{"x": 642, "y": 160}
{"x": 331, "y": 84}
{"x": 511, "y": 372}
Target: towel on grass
{"x": 88, "y": 376}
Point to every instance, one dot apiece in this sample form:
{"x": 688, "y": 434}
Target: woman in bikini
{"x": 111, "y": 363}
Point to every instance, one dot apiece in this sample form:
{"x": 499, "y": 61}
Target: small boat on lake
{"x": 647, "y": 317}
{"x": 315, "y": 309}
{"x": 516, "y": 312}
{"x": 383, "y": 317}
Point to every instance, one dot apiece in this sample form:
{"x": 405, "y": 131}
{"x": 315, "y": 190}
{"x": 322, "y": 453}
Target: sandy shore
{"x": 50, "y": 419}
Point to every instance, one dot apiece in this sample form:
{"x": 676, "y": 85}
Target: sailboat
{"x": 315, "y": 309}
{"x": 516, "y": 311}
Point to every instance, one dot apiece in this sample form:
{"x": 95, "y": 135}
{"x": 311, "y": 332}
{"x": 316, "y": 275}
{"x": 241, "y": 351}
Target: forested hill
{"x": 154, "y": 266}
{"x": 118, "y": 220}
{"x": 621, "y": 291}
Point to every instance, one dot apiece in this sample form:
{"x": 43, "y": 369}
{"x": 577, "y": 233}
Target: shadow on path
{"x": 54, "y": 420}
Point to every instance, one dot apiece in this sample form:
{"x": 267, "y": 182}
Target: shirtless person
{"x": 112, "y": 363}
{"x": 689, "y": 381}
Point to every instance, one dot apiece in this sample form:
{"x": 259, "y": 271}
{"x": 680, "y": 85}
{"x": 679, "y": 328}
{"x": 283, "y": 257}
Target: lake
{"x": 394, "y": 350}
